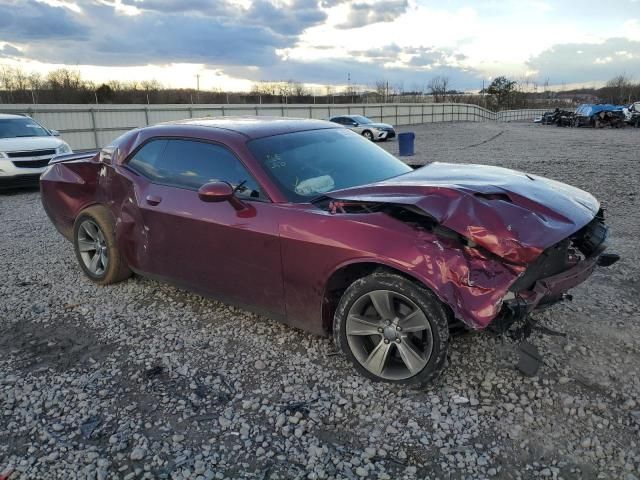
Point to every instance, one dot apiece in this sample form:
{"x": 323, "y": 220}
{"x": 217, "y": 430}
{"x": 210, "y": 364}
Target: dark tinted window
{"x": 308, "y": 164}
{"x": 21, "y": 127}
{"x": 191, "y": 164}
{"x": 339, "y": 120}
{"x": 146, "y": 159}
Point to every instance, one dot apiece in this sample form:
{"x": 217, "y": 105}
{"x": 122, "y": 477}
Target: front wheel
{"x": 392, "y": 330}
{"x": 96, "y": 249}
{"x": 368, "y": 135}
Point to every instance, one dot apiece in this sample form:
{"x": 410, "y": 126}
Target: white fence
{"x": 87, "y": 126}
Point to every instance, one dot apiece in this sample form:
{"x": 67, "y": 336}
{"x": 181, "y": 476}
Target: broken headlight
{"x": 592, "y": 239}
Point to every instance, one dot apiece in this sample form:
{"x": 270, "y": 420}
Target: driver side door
{"x": 209, "y": 247}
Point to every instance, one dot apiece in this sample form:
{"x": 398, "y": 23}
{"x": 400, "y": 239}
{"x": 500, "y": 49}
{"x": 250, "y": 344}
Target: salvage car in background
{"x": 366, "y": 127}
{"x": 632, "y": 114}
{"x": 311, "y": 224}
{"x": 25, "y": 150}
{"x": 598, "y": 116}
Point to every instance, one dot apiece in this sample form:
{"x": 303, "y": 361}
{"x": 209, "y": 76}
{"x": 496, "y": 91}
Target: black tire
{"x": 368, "y": 135}
{"x": 116, "y": 268}
{"x": 402, "y": 289}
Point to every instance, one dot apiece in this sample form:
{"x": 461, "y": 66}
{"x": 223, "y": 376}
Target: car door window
{"x": 146, "y": 159}
{"x": 190, "y": 164}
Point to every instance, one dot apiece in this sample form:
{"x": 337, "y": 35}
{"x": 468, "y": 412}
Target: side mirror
{"x": 55, "y": 133}
{"x": 219, "y": 192}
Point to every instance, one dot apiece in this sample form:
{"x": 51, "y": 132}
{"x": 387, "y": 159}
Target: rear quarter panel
{"x": 67, "y": 188}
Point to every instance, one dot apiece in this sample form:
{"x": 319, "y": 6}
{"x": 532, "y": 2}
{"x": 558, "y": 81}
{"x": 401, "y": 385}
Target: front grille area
{"x": 32, "y": 153}
{"x": 32, "y": 163}
{"x": 589, "y": 241}
{"x": 552, "y": 261}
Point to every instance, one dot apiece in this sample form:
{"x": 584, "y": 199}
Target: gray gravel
{"x": 142, "y": 380}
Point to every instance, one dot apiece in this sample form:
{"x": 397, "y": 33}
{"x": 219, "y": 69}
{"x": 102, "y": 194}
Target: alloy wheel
{"x": 389, "y": 335}
{"x": 93, "y": 247}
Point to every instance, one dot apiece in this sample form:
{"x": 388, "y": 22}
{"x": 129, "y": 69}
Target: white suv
{"x": 25, "y": 150}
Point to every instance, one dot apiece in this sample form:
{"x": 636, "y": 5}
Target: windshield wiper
{"x": 239, "y": 186}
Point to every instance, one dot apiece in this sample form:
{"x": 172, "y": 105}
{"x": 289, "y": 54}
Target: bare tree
{"x": 619, "y": 89}
{"x": 382, "y": 90}
{"x": 438, "y": 88}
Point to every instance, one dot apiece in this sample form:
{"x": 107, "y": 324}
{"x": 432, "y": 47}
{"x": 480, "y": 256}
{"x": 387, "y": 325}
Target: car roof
{"x": 255, "y": 127}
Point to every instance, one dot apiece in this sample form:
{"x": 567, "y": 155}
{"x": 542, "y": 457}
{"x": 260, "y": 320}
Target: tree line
{"x": 66, "y": 85}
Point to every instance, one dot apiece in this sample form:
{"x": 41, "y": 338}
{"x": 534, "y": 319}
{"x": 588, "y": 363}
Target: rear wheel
{"x": 392, "y": 329}
{"x": 368, "y": 135}
{"x": 95, "y": 246}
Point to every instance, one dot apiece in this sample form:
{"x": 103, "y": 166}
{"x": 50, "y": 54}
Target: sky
{"x": 230, "y": 44}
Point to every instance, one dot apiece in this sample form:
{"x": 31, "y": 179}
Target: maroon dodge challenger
{"x": 309, "y": 223}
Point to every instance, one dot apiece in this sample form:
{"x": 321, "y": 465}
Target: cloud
{"x": 145, "y": 32}
{"x": 335, "y": 71}
{"x": 289, "y": 19}
{"x": 293, "y": 19}
{"x": 9, "y": 51}
{"x": 203, "y": 7}
{"x": 28, "y": 20}
{"x": 585, "y": 62}
{"x": 149, "y": 38}
{"x": 362, "y": 14}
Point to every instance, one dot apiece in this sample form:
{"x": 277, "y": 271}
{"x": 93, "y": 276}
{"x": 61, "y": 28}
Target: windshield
{"x": 308, "y": 164}
{"x": 21, "y": 127}
{"x": 361, "y": 120}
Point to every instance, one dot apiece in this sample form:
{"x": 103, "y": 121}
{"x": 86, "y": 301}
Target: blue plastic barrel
{"x": 405, "y": 144}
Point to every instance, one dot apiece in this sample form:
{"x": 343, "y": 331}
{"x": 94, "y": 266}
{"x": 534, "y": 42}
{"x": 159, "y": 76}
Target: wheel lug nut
{"x": 397, "y": 340}
{"x": 399, "y": 329}
{"x": 386, "y": 340}
{"x": 380, "y": 329}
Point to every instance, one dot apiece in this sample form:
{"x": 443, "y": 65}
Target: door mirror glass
{"x": 215, "y": 192}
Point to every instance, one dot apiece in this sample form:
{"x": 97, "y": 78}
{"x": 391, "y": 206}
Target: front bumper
{"x": 560, "y": 268}
{"x": 551, "y": 289}
{"x": 12, "y": 176}
{"x": 380, "y": 135}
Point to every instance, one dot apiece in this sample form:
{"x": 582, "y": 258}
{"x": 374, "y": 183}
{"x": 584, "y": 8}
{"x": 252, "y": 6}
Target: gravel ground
{"x": 142, "y": 380}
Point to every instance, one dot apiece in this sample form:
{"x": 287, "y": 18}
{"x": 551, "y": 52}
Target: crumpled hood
{"x": 25, "y": 144}
{"x": 512, "y": 214}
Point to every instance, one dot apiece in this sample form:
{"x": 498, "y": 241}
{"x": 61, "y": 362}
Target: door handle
{"x": 153, "y": 199}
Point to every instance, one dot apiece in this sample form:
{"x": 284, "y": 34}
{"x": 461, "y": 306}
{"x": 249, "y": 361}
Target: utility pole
{"x": 198, "y": 87}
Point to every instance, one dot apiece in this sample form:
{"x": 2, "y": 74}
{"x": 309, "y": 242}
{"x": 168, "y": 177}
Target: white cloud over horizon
{"x": 231, "y": 44}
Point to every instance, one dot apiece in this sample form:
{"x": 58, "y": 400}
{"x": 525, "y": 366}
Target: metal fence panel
{"x": 91, "y": 126}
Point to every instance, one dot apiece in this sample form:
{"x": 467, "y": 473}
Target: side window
{"x": 191, "y": 164}
{"x": 146, "y": 160}
{"x": 339, "y": 120}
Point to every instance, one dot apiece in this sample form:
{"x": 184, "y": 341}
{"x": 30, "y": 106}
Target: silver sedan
{"x": 366, "y": 127}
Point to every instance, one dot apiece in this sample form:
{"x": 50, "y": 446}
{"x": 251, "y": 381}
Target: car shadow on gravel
{"x": 60, "y": 347}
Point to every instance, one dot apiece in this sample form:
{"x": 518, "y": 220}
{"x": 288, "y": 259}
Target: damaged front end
{"x": 492, "y": 253}
{"x": 558, "y": 269}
